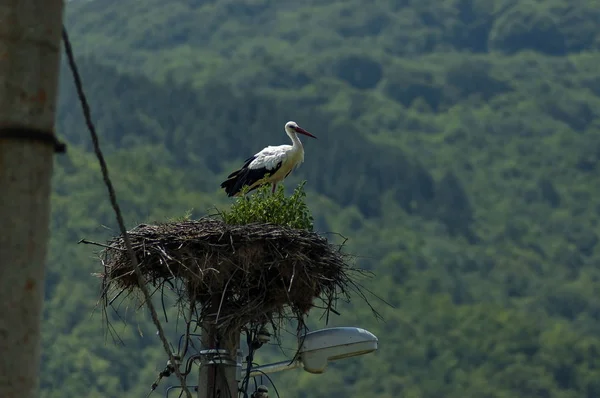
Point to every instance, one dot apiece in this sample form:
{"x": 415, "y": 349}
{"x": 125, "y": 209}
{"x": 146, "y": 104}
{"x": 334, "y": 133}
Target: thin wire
{"x": 254, "y": 377}
{"x": 270, "y": 381}
{"x": 113, "y": 200}
{"x": 249, "y": 361}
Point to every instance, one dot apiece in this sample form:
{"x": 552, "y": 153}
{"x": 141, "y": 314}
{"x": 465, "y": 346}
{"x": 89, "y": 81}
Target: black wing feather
{"x": 246, "y": 176}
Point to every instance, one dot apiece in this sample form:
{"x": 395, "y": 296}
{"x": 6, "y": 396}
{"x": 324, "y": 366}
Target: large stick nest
{"x": 234, "y": 275}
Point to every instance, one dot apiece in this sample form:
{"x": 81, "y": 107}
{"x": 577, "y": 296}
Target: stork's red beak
{"x": 300, "y": 130}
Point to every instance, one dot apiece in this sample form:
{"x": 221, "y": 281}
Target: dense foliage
{"x": 459, "y": 151}
{"x": 262, "y": 206}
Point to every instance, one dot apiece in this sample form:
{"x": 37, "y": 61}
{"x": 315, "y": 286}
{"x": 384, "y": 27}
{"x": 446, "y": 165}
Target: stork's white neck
{"x": 295, "y": 140}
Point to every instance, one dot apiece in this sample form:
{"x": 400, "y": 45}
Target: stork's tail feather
{"x": 229, "y": 185}
{"x": 240, "y": 178}
{"x": 235, "y": 182}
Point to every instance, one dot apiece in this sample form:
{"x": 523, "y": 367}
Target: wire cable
{"x": 249, "y": 361}
{"x": 113, "y": 200}
{"x": 270, "y": 381}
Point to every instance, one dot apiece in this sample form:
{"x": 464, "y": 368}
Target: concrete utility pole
{"x": 30, "y": 32}
{"x": 217, "y": 378}
{"x": 218, "y": 372}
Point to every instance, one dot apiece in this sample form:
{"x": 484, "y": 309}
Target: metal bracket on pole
{"x": 220, "y": 358}
{"x": 275, "y": 367}
{"x": 215, "y": 357}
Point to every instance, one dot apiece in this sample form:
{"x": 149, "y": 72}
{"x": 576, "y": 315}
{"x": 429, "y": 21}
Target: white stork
{"x": 269, "y": 166}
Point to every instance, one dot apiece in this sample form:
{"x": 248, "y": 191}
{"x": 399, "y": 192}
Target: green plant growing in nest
{"x": 265, "y": 207}
{"x": 186, "y": 217}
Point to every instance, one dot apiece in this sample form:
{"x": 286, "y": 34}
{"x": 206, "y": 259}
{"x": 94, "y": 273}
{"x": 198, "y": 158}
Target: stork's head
{"x": 293, "y": 128}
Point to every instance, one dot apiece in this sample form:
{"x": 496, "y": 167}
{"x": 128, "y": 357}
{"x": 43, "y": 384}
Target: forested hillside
{"x": 458, "y": 150}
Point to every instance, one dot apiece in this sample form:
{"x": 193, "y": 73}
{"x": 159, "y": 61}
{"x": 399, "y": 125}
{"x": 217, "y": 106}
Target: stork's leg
{"x": 273, "y": 189}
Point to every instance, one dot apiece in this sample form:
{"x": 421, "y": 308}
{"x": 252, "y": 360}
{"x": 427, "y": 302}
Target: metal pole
{"x": 274, "y": 367}
{"x": 30, "y": 32}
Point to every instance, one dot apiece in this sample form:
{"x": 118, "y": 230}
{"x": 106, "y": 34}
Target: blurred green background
{"x": 459, "y": 151}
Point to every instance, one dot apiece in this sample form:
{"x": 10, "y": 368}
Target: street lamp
{"x": 322, "y": 346}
